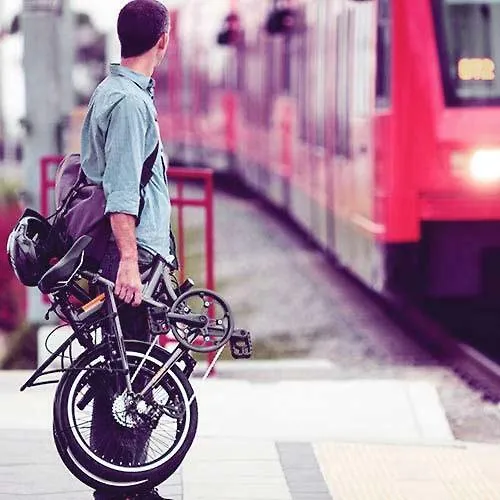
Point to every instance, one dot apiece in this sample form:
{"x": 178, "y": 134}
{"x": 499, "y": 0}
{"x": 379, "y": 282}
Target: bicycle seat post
{"x": 119, "y": 336}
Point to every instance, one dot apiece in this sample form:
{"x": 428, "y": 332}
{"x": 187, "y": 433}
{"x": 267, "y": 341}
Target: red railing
{"x": 177, "y": 176}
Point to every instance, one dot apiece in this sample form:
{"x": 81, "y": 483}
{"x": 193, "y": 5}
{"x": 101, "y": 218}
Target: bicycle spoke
{"x": 113, "y": 431}
{"x": 166, "y": 433}
{"x": 152, "y": 446}
{"x": 141, "y": 364}
{"x": 156, "y": 444}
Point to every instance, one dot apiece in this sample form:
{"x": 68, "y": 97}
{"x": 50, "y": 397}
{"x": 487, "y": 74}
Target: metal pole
{"x": 46, "y": 26}
{"x": 42, "y": 91}
{"x": 66, "y": 55}
{"x": 2, "y": 111}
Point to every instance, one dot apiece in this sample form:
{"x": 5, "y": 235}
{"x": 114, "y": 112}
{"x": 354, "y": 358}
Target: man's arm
{"x": 128, "y": 281}
{"x": 124, "y": 153}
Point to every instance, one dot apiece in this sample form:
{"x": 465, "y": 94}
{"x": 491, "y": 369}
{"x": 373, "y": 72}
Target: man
{"x": 120, "y": 131}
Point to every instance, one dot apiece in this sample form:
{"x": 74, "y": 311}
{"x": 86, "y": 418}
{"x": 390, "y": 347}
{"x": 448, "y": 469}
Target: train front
{"x": 446, "y": 143}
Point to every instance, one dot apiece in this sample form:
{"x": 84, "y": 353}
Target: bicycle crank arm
{"x": 192, "y": 320}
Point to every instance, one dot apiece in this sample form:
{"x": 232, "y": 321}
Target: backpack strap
{"x": 146, "y": 174}
{"x": 147, "y": 167}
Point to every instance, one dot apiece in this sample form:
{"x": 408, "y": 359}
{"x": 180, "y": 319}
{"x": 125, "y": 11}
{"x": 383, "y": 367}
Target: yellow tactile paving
{"x": 392, "y": 472}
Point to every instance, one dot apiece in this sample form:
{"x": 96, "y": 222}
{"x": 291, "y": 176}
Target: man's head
{"x": 143, "y": 25}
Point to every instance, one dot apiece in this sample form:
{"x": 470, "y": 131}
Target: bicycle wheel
{"x": 98, "y": 483}
{"x": 111, "y": 442}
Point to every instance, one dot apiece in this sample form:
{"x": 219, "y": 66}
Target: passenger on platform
{"x": 120, "y": 131}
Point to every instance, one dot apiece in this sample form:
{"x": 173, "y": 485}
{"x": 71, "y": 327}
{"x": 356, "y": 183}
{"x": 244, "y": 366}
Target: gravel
{"x": 296, "y": 304}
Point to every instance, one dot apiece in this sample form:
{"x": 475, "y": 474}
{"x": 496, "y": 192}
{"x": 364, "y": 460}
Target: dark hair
{"x": 140, "y": 25}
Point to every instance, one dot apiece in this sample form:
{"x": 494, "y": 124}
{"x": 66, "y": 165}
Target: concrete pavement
{"x": 279, "y": 440}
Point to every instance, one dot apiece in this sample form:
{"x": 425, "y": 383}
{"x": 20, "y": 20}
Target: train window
{"x": 343, "y": 85}
{"x": 383, "y": 75}
{"x": 240, "y": 68}
{"x": 272, "y": 74}
{"x": 256, "y": 84}
{"x": 320, "y": 84}
{"x": 469, "y": 48}
{"x": 363, "y": 56}
{"x": 299, "y": 71}
{"x": 331, "y": 62}
{"x": 311, "y": 69}
{"x": 287, "y": 43}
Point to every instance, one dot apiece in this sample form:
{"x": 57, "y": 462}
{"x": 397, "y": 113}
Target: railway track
{"x": 472, "y": 365}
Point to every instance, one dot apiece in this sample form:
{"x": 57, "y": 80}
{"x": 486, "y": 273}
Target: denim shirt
{"x": 120, "y": 131}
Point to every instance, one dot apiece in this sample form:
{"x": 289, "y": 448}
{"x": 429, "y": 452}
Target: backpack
{"x": 80, "y": 207}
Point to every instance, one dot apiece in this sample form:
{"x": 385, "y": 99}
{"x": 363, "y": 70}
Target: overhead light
{"x": 231, "y": 33}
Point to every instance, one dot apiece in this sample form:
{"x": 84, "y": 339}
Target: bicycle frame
{"x": 82, "y": 324}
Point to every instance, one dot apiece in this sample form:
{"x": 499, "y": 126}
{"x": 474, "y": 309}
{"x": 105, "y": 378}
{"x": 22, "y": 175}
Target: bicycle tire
{"x": 95, "y": 482}
{"x": 93, "y": 468}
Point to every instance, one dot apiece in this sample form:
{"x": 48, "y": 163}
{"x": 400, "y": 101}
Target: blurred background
{"x": 52, "y": 56}
{"x": 354, "y": 148}
{"x": 95, "y": 44}
{"x": 370, "y": 125}
{"x": 53, "y": 53}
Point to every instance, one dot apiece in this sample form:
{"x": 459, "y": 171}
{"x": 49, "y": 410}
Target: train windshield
{"x": 469, "y": 35}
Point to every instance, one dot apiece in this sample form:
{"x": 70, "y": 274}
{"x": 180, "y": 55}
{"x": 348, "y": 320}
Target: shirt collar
{"x": 139, "y": 79}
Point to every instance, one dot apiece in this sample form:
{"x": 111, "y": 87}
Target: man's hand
{"x": 128, "y": 282}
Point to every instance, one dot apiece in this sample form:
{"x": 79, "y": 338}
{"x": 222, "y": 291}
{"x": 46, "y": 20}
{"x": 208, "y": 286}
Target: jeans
{"x": 109, "y": 438}
{"x": 133, "y": 320}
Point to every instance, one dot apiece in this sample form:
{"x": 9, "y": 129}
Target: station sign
{"x": 42, "y": 5}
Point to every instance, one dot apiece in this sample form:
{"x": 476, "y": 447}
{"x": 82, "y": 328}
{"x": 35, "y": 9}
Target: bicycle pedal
{"x": 241, "y": 344}
{"x": 157, "y": 321}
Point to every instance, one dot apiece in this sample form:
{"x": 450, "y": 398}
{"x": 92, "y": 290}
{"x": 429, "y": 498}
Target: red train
{"x": 375, "y": 124}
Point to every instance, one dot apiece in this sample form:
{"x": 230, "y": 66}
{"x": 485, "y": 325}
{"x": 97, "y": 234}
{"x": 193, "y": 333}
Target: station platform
{"x": 311, "y": 439}
{"x": 359, "y": 416}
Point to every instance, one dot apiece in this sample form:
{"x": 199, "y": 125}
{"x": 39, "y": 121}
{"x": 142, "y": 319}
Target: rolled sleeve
{"x": 124, "y": 156}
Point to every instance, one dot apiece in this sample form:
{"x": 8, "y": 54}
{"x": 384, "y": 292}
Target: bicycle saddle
{"x": 59, "y": 275}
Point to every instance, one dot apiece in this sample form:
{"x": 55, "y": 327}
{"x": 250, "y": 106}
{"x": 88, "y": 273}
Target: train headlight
{"x": 484, "y": 165}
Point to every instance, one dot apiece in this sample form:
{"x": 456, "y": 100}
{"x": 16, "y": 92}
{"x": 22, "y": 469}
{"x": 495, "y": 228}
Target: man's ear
{"x": 163, "y": 41}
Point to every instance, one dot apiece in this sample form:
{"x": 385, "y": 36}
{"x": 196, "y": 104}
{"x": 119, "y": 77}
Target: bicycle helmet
{"x": 26, "y": 247}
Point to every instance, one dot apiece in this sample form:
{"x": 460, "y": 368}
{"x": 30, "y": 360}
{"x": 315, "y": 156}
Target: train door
{"x": 318, "y": 222}
{"x": 278, "y": 106}
{"x": 357, "y": 245}
{"x": 300, "y": 90}
{"x": 331, "y": 65}
{"x": 342, "y": 142}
